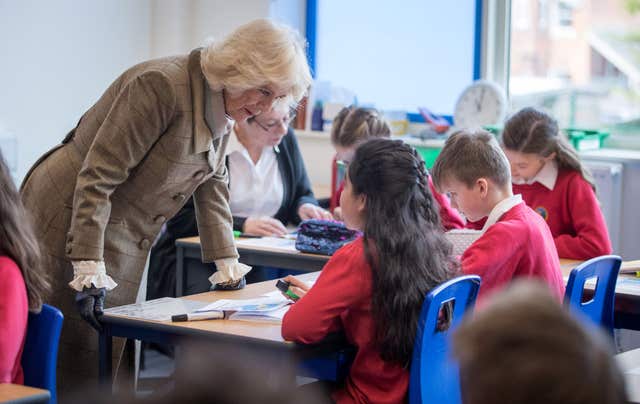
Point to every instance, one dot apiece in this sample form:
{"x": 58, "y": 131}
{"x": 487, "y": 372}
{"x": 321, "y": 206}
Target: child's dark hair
{"x": 524, "y": 347}
{"x": 353, "y": 125}
{"x": 403, "y": 240}
{"x": 531, "y": 130}
{"x": 18, "y": 241}
{"x": 469, "y": 155}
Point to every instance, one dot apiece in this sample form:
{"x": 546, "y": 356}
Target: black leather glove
{"x": 237, "y": 285}
{"x": 90, "y": 304}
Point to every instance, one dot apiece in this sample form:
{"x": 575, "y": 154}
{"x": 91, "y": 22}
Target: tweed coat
{"x": 131, "y": 163}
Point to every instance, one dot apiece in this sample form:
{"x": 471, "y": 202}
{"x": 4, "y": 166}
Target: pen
{"x": 206, "y": 315}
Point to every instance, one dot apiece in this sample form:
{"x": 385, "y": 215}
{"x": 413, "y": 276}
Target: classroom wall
{"x": 58, "y": 57}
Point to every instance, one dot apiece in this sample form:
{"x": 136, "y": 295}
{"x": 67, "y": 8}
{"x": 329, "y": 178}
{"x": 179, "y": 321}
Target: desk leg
{"x": 181, "y": 274}
{"x": 105, "y": 368}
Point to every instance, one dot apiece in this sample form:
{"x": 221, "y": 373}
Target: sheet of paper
{"x": 157, "y": 310}
{"x": 462, "y": 239}
{"x": 274, "y": 316}
{"x": 253, "y": 305}
{"x": 283, "y": 244}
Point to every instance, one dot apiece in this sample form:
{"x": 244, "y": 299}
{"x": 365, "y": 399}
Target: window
{"x": 588, "y": 79}
{"x": 398, "y": 55}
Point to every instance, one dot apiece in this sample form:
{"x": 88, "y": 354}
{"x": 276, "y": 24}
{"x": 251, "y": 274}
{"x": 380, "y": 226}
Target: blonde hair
{"x": 256, "y": 54}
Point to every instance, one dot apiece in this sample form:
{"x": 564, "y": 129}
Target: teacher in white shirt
{"x": 268, "y": 186}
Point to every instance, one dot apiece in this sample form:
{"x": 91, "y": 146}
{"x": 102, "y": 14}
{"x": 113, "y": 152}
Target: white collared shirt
{"x": 254, "y": 189}
{"x": 547, "y": 176}
{"x": 500, "y": 209}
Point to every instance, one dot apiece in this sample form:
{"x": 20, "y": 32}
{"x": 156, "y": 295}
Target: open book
{"x": 462, "y": 239}
{"x": 270, "y": 308}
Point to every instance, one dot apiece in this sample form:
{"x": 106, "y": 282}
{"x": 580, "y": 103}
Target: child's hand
{"x": 298, "y": 287}
{"x": 337, "y": 213}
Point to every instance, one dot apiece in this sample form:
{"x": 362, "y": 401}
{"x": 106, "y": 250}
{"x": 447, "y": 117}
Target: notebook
{"x": 462, "y": 239}
{"x": 268, "y": 308}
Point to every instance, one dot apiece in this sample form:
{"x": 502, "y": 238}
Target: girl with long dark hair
{"x": 373, "y": 288}
{"x": 23, "y": 284}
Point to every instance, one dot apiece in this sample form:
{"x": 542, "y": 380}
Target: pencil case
{"x": 318, "y": 236}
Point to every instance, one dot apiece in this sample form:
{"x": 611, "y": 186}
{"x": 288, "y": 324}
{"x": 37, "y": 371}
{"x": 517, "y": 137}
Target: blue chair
{"x": 599, "y": 308}
{"x": 434, "y": 375}
{"x": 40, "y": 354}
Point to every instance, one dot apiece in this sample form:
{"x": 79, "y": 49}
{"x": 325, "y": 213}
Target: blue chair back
{"x": 40, "y": 354}
{"x": 599, "y": 309}
{"x": 434, "y": 374}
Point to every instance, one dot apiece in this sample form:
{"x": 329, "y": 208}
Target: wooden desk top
{"x": 264, "y": 331}
{"x": 16, "y": 393}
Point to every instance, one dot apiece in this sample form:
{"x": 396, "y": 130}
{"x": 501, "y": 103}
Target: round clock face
{"x": 482, "y": 103}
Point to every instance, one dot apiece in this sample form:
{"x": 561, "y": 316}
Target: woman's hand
{"x": 297, "y": 286}
{"x": 264, "y": 226}
{"x": 311, "y": 211}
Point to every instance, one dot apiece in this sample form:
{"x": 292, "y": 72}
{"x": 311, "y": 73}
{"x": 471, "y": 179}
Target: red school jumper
{"x": 573, "y": 214}
{"x": 14, "y": 309}
{"x": 341, "y": 300}
{"x": 519, "y": 244}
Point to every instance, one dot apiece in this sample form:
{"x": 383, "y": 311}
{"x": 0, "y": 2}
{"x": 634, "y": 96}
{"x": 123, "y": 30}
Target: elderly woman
{"x": 155, "y": 137}
{"x": 268, "y": 188}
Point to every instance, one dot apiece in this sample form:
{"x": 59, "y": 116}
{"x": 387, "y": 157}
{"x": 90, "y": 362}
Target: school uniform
{"x": 341, "y": 300}
{"x": 516, "y": 243}
{"x": 569, "y": 205}
{"x": 14, "y": 309}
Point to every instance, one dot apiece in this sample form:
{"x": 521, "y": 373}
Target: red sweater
{"x": 519, "y": 244}
{"x": 572, "y": 213}
{"x": 341, "y": 300}
{"x": 14, "y": 309}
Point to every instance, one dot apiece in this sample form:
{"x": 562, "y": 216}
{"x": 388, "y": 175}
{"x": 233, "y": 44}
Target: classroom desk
{"x": 188, "y": 253}
{"x": 17, "y": 393}
{"x": 259, "y": 336}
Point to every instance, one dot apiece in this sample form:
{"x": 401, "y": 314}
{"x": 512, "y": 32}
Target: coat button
{"x": 144, "y": 244}
{"x": 179, "y": 197}
{"x": 159, "y": 219}
{"x": 69, "y": 249}
{"x": 198, "y": 175}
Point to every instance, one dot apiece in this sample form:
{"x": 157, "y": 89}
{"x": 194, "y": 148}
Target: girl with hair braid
{"x": 373, "y": 288}
{"x": 350, "y": 128}
{"x": 547, "y": 172}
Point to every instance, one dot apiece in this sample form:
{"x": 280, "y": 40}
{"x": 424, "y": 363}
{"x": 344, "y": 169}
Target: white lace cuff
{"x": 86, "y": 273}
{"x": 229, "y": 270}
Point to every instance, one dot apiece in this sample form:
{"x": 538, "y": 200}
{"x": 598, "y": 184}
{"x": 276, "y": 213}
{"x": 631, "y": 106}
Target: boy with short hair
{"x": 515, "y": 240}
{"x": 525, "y": 348}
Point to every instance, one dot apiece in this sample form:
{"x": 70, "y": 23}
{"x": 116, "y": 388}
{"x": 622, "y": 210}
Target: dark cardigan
{"x": 297, "y": 191}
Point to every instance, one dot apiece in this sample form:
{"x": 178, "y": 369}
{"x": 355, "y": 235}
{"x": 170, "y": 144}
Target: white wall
{"x": 56, "y": 58}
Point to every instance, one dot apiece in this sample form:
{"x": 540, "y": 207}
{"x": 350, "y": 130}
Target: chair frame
{"x": 431, "y": 364}
{"x": 40, "y": 353}
{"x": 600, "y": 308}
